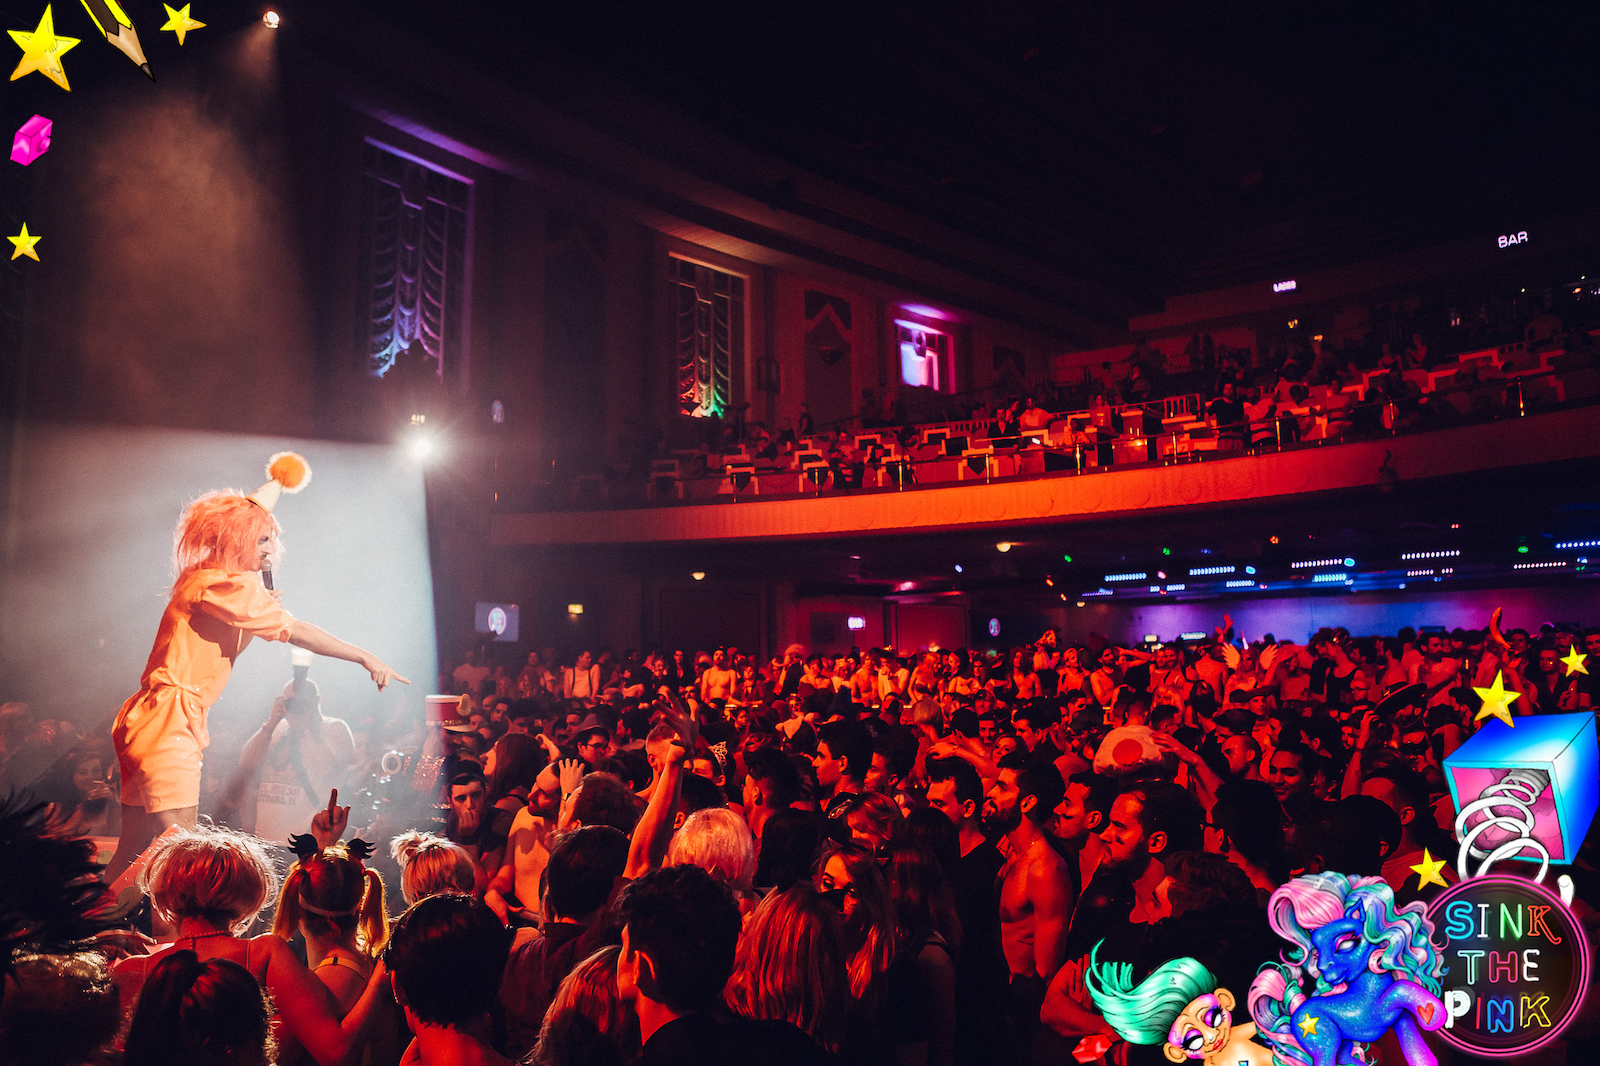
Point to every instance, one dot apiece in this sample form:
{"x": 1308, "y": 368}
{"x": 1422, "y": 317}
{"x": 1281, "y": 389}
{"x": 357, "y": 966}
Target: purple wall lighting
{"x": 32, "y": 140}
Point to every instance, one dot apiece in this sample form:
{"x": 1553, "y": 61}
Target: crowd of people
{"x": 710, "y": 857}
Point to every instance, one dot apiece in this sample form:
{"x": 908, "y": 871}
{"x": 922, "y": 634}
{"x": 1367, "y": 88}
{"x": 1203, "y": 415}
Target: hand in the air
{"x": 329, "y": 825}
{"x": 571, "y": 771}
{"x": 684, "y": 721}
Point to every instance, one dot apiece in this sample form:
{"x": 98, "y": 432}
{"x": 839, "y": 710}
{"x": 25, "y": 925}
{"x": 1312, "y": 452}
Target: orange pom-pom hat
{"x": 223, "y": 530}
{"x": 286, "y": 472}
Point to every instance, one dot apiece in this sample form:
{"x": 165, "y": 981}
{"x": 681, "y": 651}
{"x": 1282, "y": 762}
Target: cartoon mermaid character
{"x": 1374, "y": 966}
{"x": 1178, "y": 1006}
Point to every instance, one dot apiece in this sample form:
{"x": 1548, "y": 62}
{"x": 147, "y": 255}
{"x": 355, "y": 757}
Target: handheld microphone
{"x": 266, "y": 578}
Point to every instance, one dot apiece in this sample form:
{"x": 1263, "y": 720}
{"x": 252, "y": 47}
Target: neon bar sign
{"x": 1518, "y": 964}
{"x": 1508, "y": 239}
{"x": 1283, "y": 286}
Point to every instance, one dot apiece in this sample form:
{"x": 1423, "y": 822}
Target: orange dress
{"x": 160, "y": 732}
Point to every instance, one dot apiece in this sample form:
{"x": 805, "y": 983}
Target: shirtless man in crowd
{"x": 1035, "y": 886}
{"x": 864, "y": 682}
{"x": 514, "y": 889}
{"x": 717, "y": 682}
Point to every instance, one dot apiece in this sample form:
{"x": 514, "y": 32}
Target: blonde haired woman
{"x": 431, "y": 866}
{"x": 332, "y": 899}
{"x": 790, "y": 965}
{"x": 212, "y": 884}
{"x": 588, "y": 1024}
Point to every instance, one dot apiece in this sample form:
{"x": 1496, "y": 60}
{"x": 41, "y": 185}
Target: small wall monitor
{"x": 499, "y": 620}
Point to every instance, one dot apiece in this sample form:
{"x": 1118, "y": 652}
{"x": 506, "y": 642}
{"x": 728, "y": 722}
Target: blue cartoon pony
{"x": 1375, "y": 969}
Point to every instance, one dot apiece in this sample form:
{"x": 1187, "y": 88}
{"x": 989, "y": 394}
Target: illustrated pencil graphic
{"x": 118, "y": 29}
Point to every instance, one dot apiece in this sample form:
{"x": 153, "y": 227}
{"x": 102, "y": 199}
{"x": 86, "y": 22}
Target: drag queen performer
{"x": 224, "y": 542}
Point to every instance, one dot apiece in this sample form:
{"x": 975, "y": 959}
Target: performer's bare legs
{"x": 220, "y": 602}
{"x": 139, "y": 828}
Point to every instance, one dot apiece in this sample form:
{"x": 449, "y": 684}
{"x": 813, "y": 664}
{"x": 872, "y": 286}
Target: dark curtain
{"x": 707, "y": 337}
{"x": 416, "y": 221}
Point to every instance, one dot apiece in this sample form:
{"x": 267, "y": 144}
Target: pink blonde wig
{"x": 221, "y": 530}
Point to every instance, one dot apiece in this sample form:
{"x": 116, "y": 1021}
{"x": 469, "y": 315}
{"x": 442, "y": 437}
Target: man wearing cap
{"x": 592, "y": 740}
{"x": 224, "y": 543}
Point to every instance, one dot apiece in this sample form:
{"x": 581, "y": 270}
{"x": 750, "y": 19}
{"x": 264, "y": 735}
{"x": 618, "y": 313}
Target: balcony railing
{"x": 1477, "y": 387}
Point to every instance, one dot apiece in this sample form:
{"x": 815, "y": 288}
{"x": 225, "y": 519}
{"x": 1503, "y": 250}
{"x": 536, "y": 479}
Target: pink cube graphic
{"x": 32, "y": 140}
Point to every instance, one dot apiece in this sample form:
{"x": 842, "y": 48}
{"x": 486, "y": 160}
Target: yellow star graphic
{"x": 1496, "y": 701}
{"x": 1574, "y": 662}
{"x": 25, "y": 242}
{"x": 179, "y": 22}
{"x": 42, "y": 51}
{"x": 1427, "y": 871}
{"x": 1308, "y": 1025}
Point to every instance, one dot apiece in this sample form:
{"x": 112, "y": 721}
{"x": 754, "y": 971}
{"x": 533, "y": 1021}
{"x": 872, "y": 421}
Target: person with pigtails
{"x": 333, "y": 900}
{"x": 208, "y": 885}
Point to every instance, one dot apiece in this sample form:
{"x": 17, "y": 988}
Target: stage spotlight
{"x": 271, "y": 20}
{"x": 698, "y": 575}
{"x": 421, "y": 446}
{"x": 1003, "y": 546}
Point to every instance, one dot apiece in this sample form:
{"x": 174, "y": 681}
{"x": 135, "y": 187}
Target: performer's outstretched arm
{"x": 313, "y": 639}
